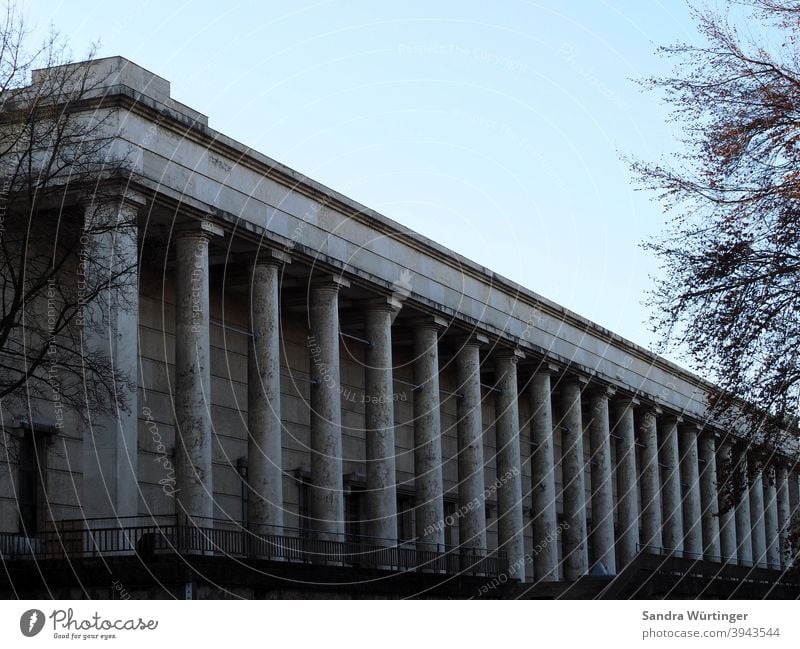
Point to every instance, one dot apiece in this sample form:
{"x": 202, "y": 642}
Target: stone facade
{"x": 423, "y": 400}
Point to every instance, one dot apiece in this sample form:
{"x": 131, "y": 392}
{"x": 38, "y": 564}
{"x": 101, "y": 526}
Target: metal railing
{"x": 761, "y": 568}
{"x": 148, "y": 538}
{"x": 652, "y": 562}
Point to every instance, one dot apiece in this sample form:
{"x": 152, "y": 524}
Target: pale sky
{"x": 494, "y": 128}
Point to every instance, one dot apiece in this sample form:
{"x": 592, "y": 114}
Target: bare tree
{"x": 60, "y": 274}
{"x": 729, "y": 291}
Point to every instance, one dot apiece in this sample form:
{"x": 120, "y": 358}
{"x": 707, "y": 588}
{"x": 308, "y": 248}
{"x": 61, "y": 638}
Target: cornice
{"x": 184, "y": 126}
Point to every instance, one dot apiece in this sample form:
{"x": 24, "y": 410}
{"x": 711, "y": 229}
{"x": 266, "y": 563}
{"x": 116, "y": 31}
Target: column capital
{"x": 670, "y": 419}
{"x": 607, "y": 391}
{"x": 472, "y": 339}
{"x": 434, "y": 322}
{"x": 626, "y": 402}
{"x": 691, "y": 427}
{"x": 113, "y": 196}
{"x": 504, "y": 354}
{"x": 383, "y": 303}
{"x": 204, "y": 228}
{"x": 330, "y": 283}
{"x": 651, "y": 409}
{"x": 730, "y": 439}
{"x": 546, "y": 367}
{"x": 706, "y": 432}
{"x": 272, "y": 257}
{"x": 132, "y": 199}
{"x": 569, "y": 378}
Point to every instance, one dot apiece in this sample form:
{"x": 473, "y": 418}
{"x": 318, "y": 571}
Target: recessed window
{"x": 352, "y": 510}
{"x": 32, "y": 482}
{"x": 405, "y": 520}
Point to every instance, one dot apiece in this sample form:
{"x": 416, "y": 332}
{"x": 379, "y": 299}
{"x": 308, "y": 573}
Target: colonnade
{"x": 653, "y": 475}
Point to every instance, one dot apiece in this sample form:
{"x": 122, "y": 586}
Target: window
{"x": 302, "y": 496}
{"x": 241, "y": 470}
{"x": 450, "y": 525}
{"x": 561, "y": 555}
{"x": 352, "y": 515}
{"x": 32, "y": 482}
{"x": 405, "y": 513}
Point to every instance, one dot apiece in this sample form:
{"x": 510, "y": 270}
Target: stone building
{"x": 330, "y": 404}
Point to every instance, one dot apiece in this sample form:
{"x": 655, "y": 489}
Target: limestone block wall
{"x": 63, "y": 457}
{"x": 60, "y": 433}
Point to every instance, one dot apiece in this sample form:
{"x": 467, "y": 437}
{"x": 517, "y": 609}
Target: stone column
{"x": 111, "y": 331}
{"x": 602, "y": 500}
{"x": 193, "y": 444}
{"x": 626, "y": 476}
{"x": 380, "y": 499}
{"x": 784, "y": 506}
{"x": 744, "y": 527}
{"x": 794, "y": 493}
{"x": 509, "y": 465}
{"x": 576, "y": 558}
{"x": 545, "y": 531}
{"x": 428, "y": 437}
{"x": 669, "y": 456}
{"x": 471, "y": 487}
{"x": 690, "y": 478}
{"x": 708, "y": 497}
{"x": 264, "y": 443}
{"x": 757, "y": 520}
{"x": 771, "y": 520}
{"x": 727, "y": 519}
{"x": 649, "y": 481}
{"x": 794, "y": 505}
{"x": 326, "y": 492}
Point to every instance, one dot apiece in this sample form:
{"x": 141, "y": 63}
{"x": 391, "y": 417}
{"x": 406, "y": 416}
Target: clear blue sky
{"x": 494, "y": 128}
